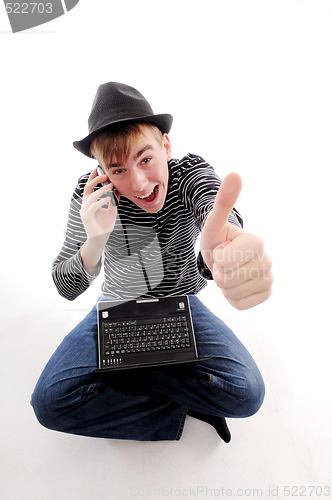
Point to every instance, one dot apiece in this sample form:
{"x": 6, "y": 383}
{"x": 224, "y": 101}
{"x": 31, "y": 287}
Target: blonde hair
{"x": 115, "y": 142}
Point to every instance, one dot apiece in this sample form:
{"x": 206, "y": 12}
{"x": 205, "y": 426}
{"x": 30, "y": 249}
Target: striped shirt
{"x": 146, "y": 255}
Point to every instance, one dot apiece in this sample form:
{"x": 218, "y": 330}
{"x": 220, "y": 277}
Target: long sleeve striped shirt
{"x": 146, "y": 255}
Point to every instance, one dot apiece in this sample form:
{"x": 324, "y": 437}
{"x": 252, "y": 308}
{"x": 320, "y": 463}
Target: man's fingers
{"x": 262, "y": 284}
{"x": 252, "y": 300}
{"x": 93, "y": 181}
{"x": 231, "y": 277}
{"x": 245, "y": 247}
{"x": 96, "y": 194}
{"x": 96, "y": 200}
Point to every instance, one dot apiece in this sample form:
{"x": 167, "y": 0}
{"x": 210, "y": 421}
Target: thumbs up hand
{"x": 236, "y": 259}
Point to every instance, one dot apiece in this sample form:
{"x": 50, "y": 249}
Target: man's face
{"x": 143, "y": 176}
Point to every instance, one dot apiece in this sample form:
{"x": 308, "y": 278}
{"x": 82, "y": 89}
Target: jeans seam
{"x": 92, "y": 388}
{"x": 181, "y": 425}
{"x": 134, "y": 396}
{"x": 193, "y": 381}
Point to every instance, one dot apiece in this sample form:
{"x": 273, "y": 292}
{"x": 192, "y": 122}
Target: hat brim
{"x": 163, "y": 122}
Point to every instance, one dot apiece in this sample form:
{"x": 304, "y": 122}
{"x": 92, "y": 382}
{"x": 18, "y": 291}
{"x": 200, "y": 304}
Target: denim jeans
{"x": 146, "y": 404}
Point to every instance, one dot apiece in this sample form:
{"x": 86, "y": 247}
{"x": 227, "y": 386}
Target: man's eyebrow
{"x": 113, "y": 165}
{"x": 136, "y": 156}
{"x": 141, "y": 151}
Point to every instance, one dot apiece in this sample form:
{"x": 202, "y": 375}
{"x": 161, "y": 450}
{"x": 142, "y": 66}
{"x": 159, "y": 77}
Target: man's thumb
{"x": 226, "y": 198}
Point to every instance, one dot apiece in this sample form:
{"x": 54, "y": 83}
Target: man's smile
{"x": 149, "y": 196}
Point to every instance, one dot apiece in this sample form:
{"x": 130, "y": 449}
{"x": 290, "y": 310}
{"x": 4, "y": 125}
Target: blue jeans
{"x": 146, "y": 404}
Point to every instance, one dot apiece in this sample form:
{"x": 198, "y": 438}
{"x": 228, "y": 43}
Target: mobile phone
{"x": 114, "y": 198}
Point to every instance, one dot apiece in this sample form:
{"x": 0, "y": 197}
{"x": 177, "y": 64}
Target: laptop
{"x": 145, "y": 332}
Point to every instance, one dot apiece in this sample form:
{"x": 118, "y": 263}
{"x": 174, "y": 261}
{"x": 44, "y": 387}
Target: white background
{"x": 249, "y": 86}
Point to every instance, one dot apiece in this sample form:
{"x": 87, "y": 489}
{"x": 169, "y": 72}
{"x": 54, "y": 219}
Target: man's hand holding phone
{"x": 98, "y": 219}
{"x": 112, "y": 195}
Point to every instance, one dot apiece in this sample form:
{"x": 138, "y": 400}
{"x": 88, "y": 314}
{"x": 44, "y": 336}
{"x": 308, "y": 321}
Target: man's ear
{"x": 167, "y": 146}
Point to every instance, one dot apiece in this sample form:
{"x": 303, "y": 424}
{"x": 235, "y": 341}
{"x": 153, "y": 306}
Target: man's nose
{"x": 138, "y": 180}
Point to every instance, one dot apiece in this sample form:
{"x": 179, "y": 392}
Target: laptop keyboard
{"x": 125, "y": 337}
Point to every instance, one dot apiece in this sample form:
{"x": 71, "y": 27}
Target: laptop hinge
{"x": 146, "y": 300}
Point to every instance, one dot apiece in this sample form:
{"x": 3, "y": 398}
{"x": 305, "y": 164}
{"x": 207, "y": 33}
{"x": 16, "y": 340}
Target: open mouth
{"x": 149, "y": 197}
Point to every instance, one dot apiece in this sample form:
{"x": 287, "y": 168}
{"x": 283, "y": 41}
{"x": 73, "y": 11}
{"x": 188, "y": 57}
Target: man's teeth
{"x": 146, "y": 195}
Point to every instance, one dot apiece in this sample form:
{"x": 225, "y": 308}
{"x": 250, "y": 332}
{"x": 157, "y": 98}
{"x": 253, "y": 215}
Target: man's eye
{"x": 117, "y": 171}
{"x": 146, "y": 160}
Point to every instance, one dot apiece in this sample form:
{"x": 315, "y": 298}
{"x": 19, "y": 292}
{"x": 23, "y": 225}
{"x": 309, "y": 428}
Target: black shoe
{"x": 219, "y": 423}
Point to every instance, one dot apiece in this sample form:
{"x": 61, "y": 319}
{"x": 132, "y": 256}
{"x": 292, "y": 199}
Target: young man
{"x": 163, "y": 205}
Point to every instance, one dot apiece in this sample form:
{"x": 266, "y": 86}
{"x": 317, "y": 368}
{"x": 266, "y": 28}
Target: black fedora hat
{"x": 115, "y": 103}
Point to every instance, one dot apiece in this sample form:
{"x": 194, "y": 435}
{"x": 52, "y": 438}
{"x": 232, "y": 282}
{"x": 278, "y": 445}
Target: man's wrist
{"x": 91, "y": 252}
